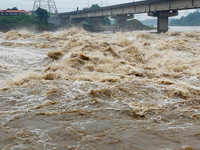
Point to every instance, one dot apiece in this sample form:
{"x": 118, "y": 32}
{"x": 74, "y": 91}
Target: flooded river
{"x": 72, "y": 89}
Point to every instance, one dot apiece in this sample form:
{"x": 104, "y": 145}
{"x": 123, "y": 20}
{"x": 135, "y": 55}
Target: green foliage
{"x": 193, "y": 19}
{"x": 115, "y": 21}
{"x": 14, "y": 8}
{"x": 39, "y": 21}
{"x": 94, "y": 6}
{"x": 150, "y": 22}
{"x": 106, "y": 21}
{"x": 14, "y": 22}
{"x": 42, "y": 16}
{"x": 137, "y": 25}
{"x": 86, "y": 8}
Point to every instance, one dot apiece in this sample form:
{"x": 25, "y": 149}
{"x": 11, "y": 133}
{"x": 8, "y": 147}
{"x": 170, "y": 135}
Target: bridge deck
{"x": 135, "y": 8}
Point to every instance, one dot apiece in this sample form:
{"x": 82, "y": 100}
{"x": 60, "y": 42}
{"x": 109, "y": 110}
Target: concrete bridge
{"x": 162, "y": 9}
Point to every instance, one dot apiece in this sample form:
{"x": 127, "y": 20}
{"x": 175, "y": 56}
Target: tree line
{"x": 39, "y": 20}
{"x": 192, "y": 19}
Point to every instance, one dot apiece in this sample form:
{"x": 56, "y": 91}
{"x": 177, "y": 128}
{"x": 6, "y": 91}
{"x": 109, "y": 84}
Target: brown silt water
{"x": 72, "y": 89}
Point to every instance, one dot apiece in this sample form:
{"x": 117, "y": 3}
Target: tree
{"x": 106, "y": 21}
{"x": 191, "y": 19}
{"x": 86, "y": 8}
{"x": 42, "y": 16}
{"x": 94, "y": 6}
{"x": 14, "y": 8}
{"x": 40, "y": 20}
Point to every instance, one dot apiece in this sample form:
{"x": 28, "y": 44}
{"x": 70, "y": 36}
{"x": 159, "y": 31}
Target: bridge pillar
{"x": 96, "y": 24}
{"x": 122, "y": 24}
{"x": 76, "y": 22}
{"x": 162, "y": 22}
{"x": 122, "y": 20}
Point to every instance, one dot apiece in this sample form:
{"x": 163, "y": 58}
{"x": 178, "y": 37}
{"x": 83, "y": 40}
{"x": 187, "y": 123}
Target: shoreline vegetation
{"x": 40, "y": 21}
{"x": 192, "y": 19}
{"x": 23, "y": 21}
{"x": 132, "y": 25}
{"x": 8, "y": 23}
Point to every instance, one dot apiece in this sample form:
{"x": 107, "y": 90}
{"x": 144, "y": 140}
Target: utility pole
{"x": 49, "y": 5}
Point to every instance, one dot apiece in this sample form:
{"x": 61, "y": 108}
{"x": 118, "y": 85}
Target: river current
{"x": 72, "y": 89}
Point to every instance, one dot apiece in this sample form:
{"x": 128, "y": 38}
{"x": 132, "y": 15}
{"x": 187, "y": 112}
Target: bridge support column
{"x": 162, "y": 22}
{"x": 75, "y": 22}
{"x": 122, "y": 24}
{"x": 96, "y": 24}
{"x": 122, "y": 20}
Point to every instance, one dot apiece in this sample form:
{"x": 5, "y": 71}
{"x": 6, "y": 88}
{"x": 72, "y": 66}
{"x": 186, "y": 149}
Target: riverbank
{"x": 132, "y": 25}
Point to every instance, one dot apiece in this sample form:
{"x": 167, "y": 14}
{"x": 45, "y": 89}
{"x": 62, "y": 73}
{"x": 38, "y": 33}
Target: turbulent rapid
{"x": 72, "y": 89}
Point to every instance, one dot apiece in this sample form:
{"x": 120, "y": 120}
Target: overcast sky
{"x": 71, "y": 5}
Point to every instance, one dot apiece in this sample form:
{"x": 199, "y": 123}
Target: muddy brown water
{"x": 72, "y": 89}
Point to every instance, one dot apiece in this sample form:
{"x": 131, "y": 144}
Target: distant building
{"x": 12, "y": 12}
